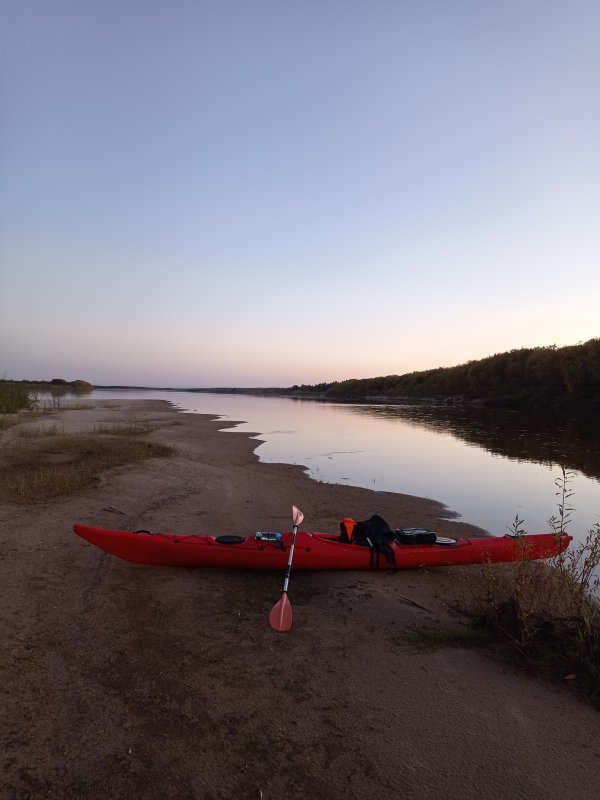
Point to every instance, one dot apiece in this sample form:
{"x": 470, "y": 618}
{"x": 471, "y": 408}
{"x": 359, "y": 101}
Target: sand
{"x": 123, "y": 681}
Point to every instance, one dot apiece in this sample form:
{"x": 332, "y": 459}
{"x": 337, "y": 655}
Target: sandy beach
{"x": 123, "y": 681}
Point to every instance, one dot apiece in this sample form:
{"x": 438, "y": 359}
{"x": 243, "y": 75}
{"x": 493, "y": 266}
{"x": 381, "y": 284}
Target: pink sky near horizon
{"x": 216, "y": 194}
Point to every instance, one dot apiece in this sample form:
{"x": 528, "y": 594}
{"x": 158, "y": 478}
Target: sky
{"x": 271, "y": 192}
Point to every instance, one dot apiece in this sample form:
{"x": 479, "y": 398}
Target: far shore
{"x": 125, "y": 681}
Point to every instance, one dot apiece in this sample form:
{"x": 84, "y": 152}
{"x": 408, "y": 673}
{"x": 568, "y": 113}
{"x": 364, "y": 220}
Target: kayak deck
{"x": 312, "y": 550}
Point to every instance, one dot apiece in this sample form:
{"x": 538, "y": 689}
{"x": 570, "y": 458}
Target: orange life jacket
{"x": 347, "y": 530}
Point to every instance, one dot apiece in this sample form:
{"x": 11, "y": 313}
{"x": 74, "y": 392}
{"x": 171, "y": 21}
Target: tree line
{"x": 542, "y": 374}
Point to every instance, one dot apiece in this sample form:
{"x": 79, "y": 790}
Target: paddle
{"x": 280, "y": 618}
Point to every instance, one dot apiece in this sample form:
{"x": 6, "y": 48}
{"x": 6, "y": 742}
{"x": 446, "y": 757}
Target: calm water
{"x": 487, "y": 466}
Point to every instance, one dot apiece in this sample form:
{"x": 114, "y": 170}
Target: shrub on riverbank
{"x": 548, "y": 612}
{"x": 14, "y": 397}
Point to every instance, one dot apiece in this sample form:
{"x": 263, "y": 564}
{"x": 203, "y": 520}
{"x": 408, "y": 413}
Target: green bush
{"x": 14, "y": 397}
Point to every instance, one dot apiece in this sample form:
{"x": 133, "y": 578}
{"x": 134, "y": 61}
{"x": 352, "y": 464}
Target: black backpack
{"x": 374, "y": 533}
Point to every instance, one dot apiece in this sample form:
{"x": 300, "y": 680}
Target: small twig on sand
{"x": 414, "y": 603}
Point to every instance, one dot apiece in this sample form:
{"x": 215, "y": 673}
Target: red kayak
{"x": 264, "y": 551}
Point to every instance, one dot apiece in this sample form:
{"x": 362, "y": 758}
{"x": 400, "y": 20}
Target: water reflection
{"x": 53, "y": 395}
{"x": 550, "y": 438}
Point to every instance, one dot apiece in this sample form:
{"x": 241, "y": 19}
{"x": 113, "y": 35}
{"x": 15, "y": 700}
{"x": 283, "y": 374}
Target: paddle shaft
{"x": 288, "y": 571}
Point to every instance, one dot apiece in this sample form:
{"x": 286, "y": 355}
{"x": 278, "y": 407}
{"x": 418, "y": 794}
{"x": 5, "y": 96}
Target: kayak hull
{"x": 313, "y": 551}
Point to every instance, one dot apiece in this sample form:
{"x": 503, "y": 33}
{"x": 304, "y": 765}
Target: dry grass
{"x": 75, "y": 407}
{"x": 9, "y": 421}
{"x": 33, "y": 413}
{"x": 134, "y": 427}
{"x": 43, "y": 464}
{"x": 547, "y": 612}
{"x": 19, "y": 418}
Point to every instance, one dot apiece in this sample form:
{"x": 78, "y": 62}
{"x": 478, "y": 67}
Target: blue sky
{"x": 275, "y": 192}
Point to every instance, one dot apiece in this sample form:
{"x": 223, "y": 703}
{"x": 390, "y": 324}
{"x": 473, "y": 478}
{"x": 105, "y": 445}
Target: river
{"x": 486, "y": 465}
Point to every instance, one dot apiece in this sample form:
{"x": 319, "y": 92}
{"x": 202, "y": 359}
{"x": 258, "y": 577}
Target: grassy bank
{"x": 43, "y": 463}
{"x": 548, "y": 614}
{"x": 541, "y": 617}
{"x": 544, "y": 615}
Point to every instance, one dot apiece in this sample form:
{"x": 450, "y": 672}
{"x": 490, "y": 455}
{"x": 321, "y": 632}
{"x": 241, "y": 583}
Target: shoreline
{"x": 128, "y": 681}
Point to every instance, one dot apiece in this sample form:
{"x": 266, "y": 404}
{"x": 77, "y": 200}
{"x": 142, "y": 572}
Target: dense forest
{"x": 556, "y": 375}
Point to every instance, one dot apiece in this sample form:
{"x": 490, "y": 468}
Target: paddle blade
{"x": 297, "y": 515}
{"x": 280, "y": 618}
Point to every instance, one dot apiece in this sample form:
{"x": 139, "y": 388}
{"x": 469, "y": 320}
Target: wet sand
{"x": 123, "y": 681}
